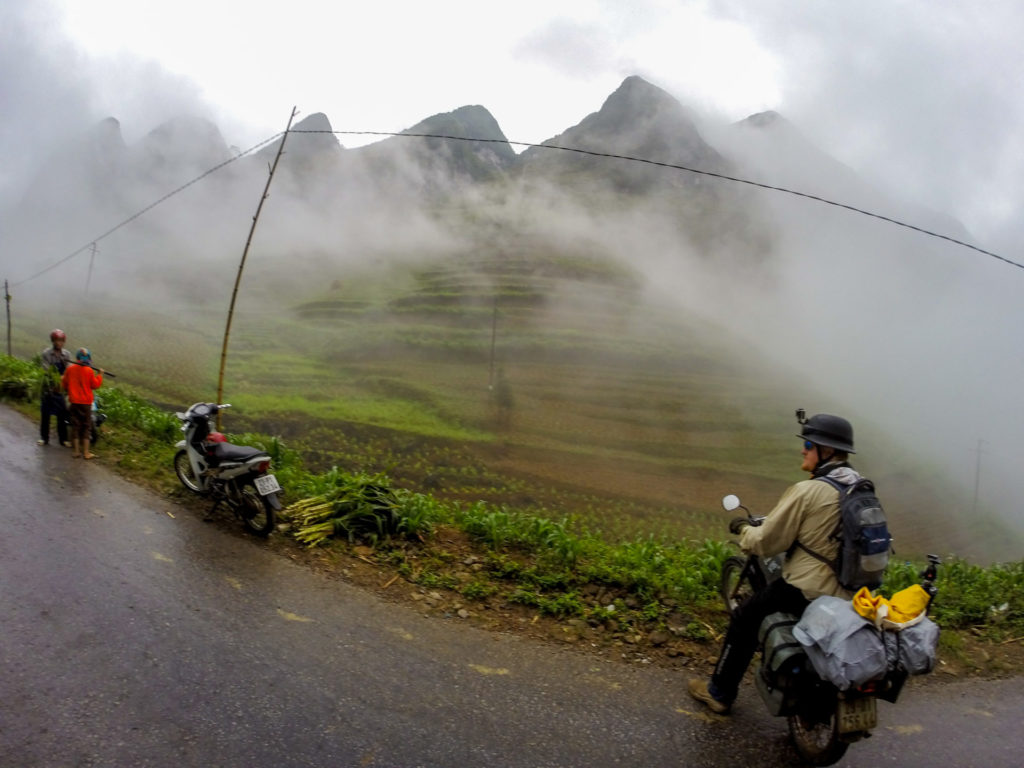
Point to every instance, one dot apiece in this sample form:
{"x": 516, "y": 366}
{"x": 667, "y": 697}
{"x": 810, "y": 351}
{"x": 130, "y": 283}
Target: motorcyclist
{"x": 801, "y": 525}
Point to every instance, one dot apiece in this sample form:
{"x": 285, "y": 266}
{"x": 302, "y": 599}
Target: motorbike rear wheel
{"x": 817, "y": 739}
{"x": 183, "y": 469}
{"x": 256, "y": 511}
{"x": 733, "y": 586}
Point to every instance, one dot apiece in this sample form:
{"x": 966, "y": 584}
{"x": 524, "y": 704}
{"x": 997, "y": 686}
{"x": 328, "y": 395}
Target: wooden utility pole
{"x": 92, "y": 257}
{"x": 977, "y": 477}
{"x": 494, "y": 338}
{"x": 7, "y": 298}
{"x": 241, "y": 266}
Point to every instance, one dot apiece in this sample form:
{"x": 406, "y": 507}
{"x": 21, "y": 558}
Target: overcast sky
{"x": 923, "y": 96}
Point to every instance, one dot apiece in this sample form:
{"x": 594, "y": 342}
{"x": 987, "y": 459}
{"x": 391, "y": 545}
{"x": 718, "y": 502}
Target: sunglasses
{"x": 809, "y": 446}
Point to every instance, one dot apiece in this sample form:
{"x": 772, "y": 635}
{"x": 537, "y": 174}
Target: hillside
{"x": 589, "y": 335}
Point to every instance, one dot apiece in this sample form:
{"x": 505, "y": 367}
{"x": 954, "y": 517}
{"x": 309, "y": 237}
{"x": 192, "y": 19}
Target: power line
{"x": 722, "y": 176}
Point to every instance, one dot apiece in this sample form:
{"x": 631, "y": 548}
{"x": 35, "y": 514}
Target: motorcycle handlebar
{"x": 214, "y": 407}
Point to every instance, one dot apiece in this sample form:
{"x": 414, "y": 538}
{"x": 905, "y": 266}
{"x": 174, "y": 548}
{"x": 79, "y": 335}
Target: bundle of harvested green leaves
{"x": 355, "y": 508}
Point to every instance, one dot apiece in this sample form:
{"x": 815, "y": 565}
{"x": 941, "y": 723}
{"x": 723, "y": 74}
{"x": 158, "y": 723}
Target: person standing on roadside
{"x": 55, "y": 360}
{"x": 79, "y": 380}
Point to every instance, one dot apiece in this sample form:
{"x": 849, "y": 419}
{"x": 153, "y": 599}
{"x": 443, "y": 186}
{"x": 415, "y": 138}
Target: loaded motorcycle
{"x": 210, "y": 466}
{"x": 823, "y": 720}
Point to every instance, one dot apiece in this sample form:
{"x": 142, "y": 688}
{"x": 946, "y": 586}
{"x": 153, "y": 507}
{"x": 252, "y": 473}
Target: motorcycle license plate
{"x": 859, "y": 714}
{"x": 266, "y": 484}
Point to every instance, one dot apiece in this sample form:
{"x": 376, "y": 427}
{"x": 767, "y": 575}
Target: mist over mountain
{"x": 96, "y": 180}
{"x": 637, "y": 120}
{"x": 773, "y": 151}
{"x": 178, "y": 151}
{"x": 905, "y": 334}
{"x": 314, "y": 149}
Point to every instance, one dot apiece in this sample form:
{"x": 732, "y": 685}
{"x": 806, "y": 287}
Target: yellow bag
{"x": 867, "y": 605}
{"x": 907, "y": 605}
{"x": 906, "y": 608}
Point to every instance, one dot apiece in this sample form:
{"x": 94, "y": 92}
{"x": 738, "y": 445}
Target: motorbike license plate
{"x": 859, "y": 714}
{"x": 266, "y": 484}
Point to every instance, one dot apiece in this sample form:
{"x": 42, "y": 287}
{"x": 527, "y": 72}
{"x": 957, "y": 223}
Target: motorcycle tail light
{"x": 263, "y": 466}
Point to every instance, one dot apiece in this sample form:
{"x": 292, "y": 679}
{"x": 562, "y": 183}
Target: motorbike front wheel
{"x": 183, "y": 469}
{"x": 816, "y": 738}
{"x": 256, "y": 511}
{"x": 733, "y": 586}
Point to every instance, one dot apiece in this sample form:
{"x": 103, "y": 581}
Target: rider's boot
{"x": 700, "y": 689}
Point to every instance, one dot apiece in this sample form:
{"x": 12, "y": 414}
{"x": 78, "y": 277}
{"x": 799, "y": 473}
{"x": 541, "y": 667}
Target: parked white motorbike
{"x": 210, "y": 466}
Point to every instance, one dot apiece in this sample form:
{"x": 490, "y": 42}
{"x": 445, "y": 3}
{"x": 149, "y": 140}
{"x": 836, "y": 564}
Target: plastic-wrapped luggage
{"x": 848, "y": 650}
{"x": 913, "y": 648}
{"x": 845, "y": 648}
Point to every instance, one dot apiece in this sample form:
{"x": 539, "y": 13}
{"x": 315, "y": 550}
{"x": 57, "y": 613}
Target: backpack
{"x": 863, "y": 535}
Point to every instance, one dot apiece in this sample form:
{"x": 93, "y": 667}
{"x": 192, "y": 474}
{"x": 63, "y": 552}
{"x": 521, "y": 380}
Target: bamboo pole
{"x": 241, "y": 266}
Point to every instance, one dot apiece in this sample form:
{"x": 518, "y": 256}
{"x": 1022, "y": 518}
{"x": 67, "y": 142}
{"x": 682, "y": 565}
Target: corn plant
{"x": 19, "y": 380}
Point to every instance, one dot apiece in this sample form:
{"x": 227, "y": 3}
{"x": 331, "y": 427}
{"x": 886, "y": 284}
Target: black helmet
{"x": 828, "y": 430}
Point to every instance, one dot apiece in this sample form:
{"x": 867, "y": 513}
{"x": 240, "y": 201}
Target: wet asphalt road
{"x": 129, "y": 637}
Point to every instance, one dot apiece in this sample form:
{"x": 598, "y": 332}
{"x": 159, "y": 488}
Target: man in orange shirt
{"x": 79, "y": 381}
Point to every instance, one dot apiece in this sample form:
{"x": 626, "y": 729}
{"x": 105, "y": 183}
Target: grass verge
{"x": 647, "y": 593}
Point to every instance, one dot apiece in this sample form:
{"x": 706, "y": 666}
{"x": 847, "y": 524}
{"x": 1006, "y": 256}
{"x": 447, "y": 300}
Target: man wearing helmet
{"x": 801, "y": 526}
{"x": 54, "y": 360}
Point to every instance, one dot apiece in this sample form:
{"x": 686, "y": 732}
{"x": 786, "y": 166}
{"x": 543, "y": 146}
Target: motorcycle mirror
{"x": 731, "y": 502}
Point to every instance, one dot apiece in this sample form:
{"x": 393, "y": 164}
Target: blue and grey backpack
{"x": 863, "y": 536}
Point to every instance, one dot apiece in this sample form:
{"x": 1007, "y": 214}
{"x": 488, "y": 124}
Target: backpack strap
{"x": 833, "y": 563}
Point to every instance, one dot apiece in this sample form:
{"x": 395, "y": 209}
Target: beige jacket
{"x": 807, "y": 512}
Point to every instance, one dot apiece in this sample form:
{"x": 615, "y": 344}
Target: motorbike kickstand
{"x": 211, "y": 510}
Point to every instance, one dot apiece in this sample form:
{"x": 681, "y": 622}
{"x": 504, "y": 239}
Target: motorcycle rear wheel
{"x": 255, "y": 510}
{"x": 817, "y": 739}
{"x": 733, "y": 586}
{"x": 183, "y": 469}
